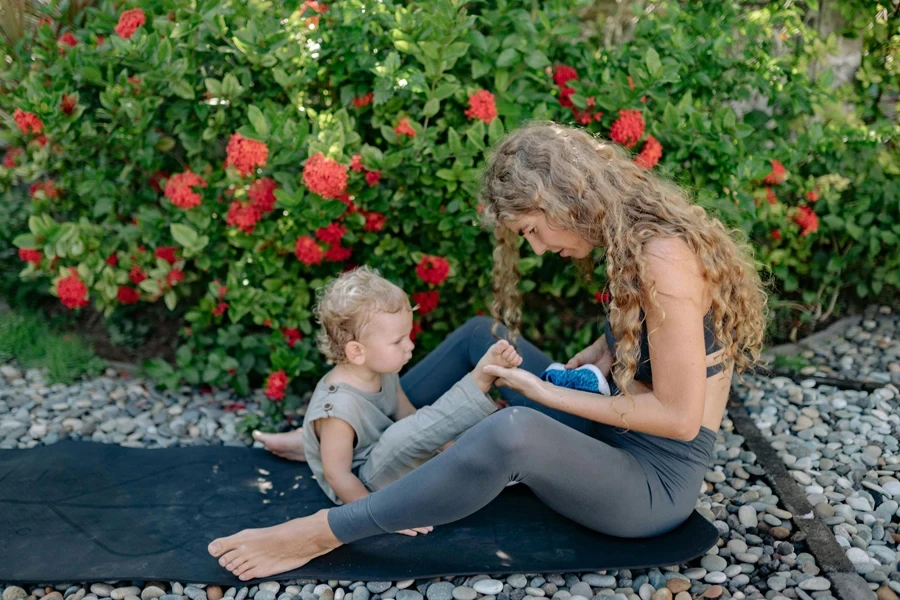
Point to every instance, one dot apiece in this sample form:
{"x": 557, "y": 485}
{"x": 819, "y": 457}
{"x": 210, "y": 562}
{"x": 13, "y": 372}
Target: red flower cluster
{"x": 651, "y": 153}
{"x": 374, "y": 221}
{"x": 129, "y": 21}
{"x": 427, "y": 301}
{"x": 482, "y": 106}
{"x": 46, "y": 188}
{"x": 373, "y": 177}
{"x": 812, "y": 196}
{"x": 778, "y": 174}
{"x": 67, "y": 104}
{"x": 220, "y": 309}
{"x": 628, "y": 128}
{"x": 585, "y": 116}
{"x": 307, "y": 250}
{"x": 563, "y": 73}
{"x": 338, "y": 253}
{"x": 128, "y": 295}
{"x": 67, "y": 39}
{"x": 404, "y": 128}
{"x": 416, "y": 330}
{"x": 244, "y": 154}
{"x": 174, "y": 276}
{"x": 156, "y": 179}
{"x": 602, "y": 297}
{"x": 433, "y": 269}
{"x": 245, "y": 215}
{"x": 356, "y": 163}
{"x": 331, "y": 234}
{"x": 32, "y": 256}
{"x": 807, "y": 219}
{"x": 276, "y": 385}
{"x": 178, "y": 189}
{"x": 27, "y": 122}
{"x": 9, "y": 160}
{"x": 71, "y": 290}
{"x": 292, "y": 336}
{"x": 167, "y": 253}
{"x": 364, "y": 100}
{"x": 770, "y": 195}
{"x": 112, "y": 260}
{"x": 136, "y": 274}
{"x": 325, "y": 176}
{"x": 776, "y": 234}
{"x": 315, "y": 6}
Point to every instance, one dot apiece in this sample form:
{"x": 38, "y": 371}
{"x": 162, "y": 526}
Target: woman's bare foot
{"x": 502, "y": 354}
{"x": 254, "y": 553}
{"x": 286, "y": 445}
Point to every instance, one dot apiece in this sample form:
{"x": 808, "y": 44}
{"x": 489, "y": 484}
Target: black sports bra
{"x": 644, "y": 372}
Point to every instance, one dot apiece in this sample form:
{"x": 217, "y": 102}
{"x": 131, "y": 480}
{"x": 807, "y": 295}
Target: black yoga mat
{"x": 85, "y": 511}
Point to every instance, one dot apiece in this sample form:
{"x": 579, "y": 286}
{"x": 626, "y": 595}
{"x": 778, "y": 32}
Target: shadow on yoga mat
{"x": 85, "y": 511}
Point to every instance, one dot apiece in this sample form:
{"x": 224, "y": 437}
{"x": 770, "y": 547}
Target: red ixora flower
{"x": 331, "y": 234}
{"x": 136, "y": 274}
{"x": 245, "y": 154}
{"x": 416, "y": 330}
{"x": 178, "y": 189}
{"x": 167, "y": 253}
{"x": 325, "y": 176}
{"x": 68, "y": 39}
{"x": 27, "y": 122}
{"x": 292, "y": 336}
{"x": 807, "y": 219}
{"x": 364, "y": 100}
{"x": 72, "y": 291}
{"x": 404, "y": 128}
{"x": 601, "y": 297}
{"x": 220, "y": 308}
{"x": 112, "y": 260}
{"x": 565, "y": 99}
{"x": 776, "y": 234}
{"x": 563, "y": 73}
{"x": 262, "y": 194}
{"x": 338, "y": 253}
{"x": 778, "y": 174}
{"x": 243, "y": 215}
{"x": 427, "y": 301}
{"x": 812, "y": 196}
{"x": 770, "y": 195}
{"x": 307, "y": 250}
{"x": 374, "y": 221}
{"x": 68, "y": 103}
{"x": 174, "y": 276}
{"x": 276, "y": 385}
{"x": 129, "y": 21}
{"x": 32, "y": 256}
{"x": 373, "y": 177}
{"x": 356, "y": 163}
{"x": 46, "y": 188}
{"x": 128, "y": 295}
{"x": 433, "y": 269}
{"x": 482, "y": 106}
{"x": 313, "y": 5}
{"x": 9, "y": 160}
{"x": 651, "y": 153}
{"x": 628, "y": 128}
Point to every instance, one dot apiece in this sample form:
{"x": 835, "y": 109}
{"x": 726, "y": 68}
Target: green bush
{"x": 227, "y": 158}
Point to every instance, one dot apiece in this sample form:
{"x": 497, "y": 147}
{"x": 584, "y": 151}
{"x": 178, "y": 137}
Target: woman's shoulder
{"x": 675, "y": 268}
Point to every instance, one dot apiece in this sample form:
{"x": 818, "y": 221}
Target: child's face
{"x": 386, "y": 341}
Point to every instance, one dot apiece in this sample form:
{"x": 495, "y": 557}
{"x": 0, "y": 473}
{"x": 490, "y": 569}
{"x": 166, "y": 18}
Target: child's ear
{"x": 355, "y": 352}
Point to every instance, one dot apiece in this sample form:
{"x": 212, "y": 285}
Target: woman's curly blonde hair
{"x": 592, "y": 187}
{"x": 346, "y": 305}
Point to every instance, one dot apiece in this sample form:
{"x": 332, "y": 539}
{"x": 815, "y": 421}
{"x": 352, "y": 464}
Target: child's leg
{"x": 459, "y": 353}
{"x": 411, "y": 441}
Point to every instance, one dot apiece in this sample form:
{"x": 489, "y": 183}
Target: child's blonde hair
{"x": 345, "y": 306}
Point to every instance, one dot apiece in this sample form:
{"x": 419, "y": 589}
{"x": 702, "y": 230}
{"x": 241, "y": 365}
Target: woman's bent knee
{"x": 509, "y": 432}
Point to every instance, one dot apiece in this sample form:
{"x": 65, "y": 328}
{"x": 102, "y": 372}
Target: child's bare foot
{"x": 286, "y": 445}
{"x": 501, "y": 354}
{"x": 254, "y": 553}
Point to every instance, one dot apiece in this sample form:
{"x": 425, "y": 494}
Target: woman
{"x": 686, "y": 301}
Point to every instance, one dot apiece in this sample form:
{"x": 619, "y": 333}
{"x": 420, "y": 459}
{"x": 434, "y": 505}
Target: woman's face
{"x": 535, "y": 229}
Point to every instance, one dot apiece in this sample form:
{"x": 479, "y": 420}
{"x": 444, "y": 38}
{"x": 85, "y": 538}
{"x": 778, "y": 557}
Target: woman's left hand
{"x": 526, "y": 383}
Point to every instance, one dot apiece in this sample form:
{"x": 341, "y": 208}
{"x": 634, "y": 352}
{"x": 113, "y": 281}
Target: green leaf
{"x": 213, "y": 86}
{"x": 537, "y": 60}
{"x": 445, "y": 90}
{"x": 454, "y": 141}
{"x": 258, "y": 120}
{"x": 182, "y": 89}
{"x": 447, "y": 174}
{"x": 431, "y": 107}
{"x": 654, "y": 66}
{"x": 184, "y": 234}
{"x": 171, "y": 299}
{"x": 507, "y": 58}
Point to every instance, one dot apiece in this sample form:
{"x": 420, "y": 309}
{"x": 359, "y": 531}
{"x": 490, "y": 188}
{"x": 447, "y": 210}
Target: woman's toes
{"x": 228, "y": 557}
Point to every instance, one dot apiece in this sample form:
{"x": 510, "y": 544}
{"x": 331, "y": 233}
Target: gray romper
{"x": 386, "y": 449}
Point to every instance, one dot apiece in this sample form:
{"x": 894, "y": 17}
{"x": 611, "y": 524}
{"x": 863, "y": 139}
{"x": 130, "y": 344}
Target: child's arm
{"x": 404, "y": 406}
{"x": 336, "y": 437}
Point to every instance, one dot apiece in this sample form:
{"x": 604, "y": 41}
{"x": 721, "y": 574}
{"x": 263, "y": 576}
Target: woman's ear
{"x": 356, "y": 352}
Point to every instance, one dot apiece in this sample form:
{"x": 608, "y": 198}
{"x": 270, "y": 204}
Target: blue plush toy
{"x": 587, "y": 378}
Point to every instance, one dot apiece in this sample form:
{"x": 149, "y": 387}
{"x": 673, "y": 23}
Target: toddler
{"x": 360, "y": 431}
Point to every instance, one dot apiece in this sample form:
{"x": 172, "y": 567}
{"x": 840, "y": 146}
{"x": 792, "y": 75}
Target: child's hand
{"x": 415, "y": 531}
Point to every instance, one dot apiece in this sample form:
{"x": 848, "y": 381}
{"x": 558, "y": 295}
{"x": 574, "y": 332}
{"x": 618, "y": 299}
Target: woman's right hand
{"x": 597, "y": 354}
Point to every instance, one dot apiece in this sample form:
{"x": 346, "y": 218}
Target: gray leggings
{"x": 624, "y": 484}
